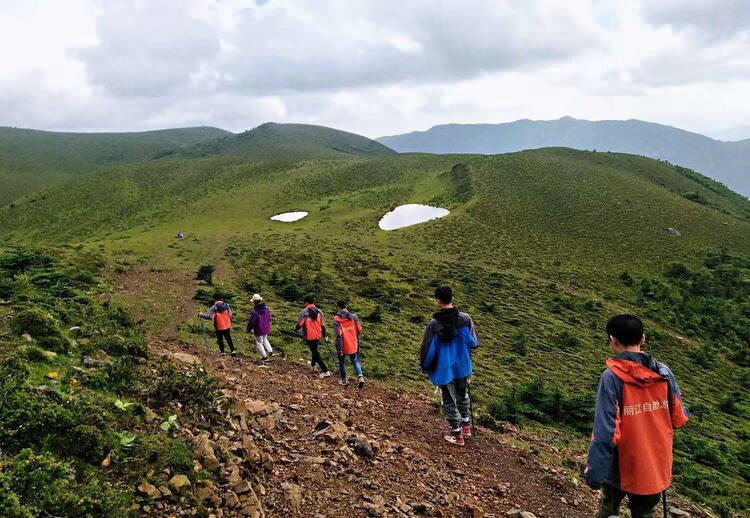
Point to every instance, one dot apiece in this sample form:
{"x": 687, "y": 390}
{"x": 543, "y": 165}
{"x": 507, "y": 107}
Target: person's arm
{"x": 605, "y": 435}
{"x": 300, "y": 319}
{"x": 337, "y": 336}
{"x": 210, "y": 314}
{"x": 358, "y": 325}
{"x": 251, "y": 321}
{"x": 426, "y": 352}
{"x": 678, "y": 411}
{"x": 474, "y": 334}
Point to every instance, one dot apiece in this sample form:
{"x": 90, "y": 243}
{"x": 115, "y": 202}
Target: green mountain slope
{"x": 32, "y": 159}
{"x": 726, "y": 162}
{"x": 272, "y": 140}
{"x": 541, "y": 247}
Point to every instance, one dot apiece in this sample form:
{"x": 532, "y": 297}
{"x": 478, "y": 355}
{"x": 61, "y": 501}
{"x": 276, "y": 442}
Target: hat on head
{"x": 257, "y": 298}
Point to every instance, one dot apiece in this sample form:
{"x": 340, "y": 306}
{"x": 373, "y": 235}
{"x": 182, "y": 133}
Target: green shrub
{"x": 40, "y": 485}
{"x": 197, "y": 392}
{"x": 180, "y": 457}
{"x": 56, "y": 343}
{"x": 205, "y": 273}
{"x": 35, "y": 322}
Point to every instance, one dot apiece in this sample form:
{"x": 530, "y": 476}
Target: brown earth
{"x": 413, "y": 470}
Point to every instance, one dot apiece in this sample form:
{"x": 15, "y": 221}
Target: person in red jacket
{"x": 310, "y": 320}
{"x": 221, "y": 314}
{"x": 638, "y": 405}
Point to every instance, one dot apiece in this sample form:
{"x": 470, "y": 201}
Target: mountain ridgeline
{"x": 282, "y": 141}
{"x": 727, "y": 162}
{"x": 32, "y": 159}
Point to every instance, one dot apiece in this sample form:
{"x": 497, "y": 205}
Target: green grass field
{"x": 541, "y": 248}
{"x": 31, "y": 159}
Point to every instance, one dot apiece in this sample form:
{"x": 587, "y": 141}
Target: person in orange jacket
{"x": 221, "y": 314}
{"x": 310, "y": 320}
{"x": 638, "y": 405}
{"x": 346, "y": 330}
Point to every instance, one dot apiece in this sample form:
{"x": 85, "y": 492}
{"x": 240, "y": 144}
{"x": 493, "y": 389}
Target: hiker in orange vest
{"x": 310, "y": 320}
{"x": 221, "y": 314}
{"x": 346, "y": 329}
{"x": 638, "y": 405}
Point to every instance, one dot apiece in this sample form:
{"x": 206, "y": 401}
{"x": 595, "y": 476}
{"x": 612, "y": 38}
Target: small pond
{"x": 288, "y": 217}
{"x": 410, "y": 214}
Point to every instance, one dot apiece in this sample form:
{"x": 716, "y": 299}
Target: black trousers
{"x": 316, "y": 359}
{"x": 221, "y": 335}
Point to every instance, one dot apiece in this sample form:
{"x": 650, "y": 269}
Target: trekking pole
{"x": 203, "y": 331}
{"x": 664, "y": 503}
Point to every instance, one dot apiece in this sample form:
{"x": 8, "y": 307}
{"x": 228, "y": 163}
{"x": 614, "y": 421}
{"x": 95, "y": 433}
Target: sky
{"x": 375, "y": 67}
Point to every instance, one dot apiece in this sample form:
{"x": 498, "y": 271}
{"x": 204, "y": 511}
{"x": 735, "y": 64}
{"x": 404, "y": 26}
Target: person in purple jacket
{"x": 259, "y": 323}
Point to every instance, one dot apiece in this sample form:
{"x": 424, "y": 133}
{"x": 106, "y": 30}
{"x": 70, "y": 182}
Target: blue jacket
{"x": 446, "y": 346}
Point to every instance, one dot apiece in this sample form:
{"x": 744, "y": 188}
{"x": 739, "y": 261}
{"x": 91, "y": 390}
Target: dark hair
{"x": 309, "y": 298}
{"x": 217, "y": 296}
{"x": 628, "y": 329}
{"x": 444, "y": 294}
{"x": 341, "y": 304}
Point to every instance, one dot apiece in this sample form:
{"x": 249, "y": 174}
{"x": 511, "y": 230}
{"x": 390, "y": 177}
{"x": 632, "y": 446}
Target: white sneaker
{"x": 326, "y": 374}
{"x": 309, "y": 364}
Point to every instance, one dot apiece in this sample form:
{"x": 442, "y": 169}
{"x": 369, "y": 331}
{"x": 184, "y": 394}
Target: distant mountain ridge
{"x": 727, "y": 162}
{"x": 32, "y": 159}
{"x": 274, "y": 141}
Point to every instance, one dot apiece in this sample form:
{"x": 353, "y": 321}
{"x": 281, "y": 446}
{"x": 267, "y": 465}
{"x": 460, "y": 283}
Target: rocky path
{"x": 321, "y": 450}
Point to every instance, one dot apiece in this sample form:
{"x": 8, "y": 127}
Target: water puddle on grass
{"x": 410, "y": 214}
{"x": 289, "y": 217}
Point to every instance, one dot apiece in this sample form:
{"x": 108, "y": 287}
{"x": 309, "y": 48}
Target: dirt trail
{"x": 413, "y": 469}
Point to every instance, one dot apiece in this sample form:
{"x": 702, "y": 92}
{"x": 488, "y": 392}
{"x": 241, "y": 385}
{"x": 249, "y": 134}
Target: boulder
{"x": 179, "y": 483}
{"x": 149, "y": 490}
{"x": 188, "y": 359}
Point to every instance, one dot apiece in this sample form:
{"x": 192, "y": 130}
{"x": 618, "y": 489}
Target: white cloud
{"x": 376, "y": 67}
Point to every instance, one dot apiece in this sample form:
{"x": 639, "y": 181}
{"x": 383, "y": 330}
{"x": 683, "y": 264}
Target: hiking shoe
{"x": 309, "y": 364}
{"x": 467, "y": 429}
{"x": 326, "y": 374}
{"x": 270, "y": 354}
{"x": 455, "y": 438}
{"x": 222, "y": 354}
{"x": 361, "y": 383}
{"x": 344, "y": 382}
{"x": 233, "y": 353}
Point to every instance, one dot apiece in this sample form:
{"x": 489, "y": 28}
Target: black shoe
{"x": 361, "y": 383}
{"x": 233, "y": 353}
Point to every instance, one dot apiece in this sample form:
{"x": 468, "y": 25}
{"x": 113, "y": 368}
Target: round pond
{"x": 410, "y": 214}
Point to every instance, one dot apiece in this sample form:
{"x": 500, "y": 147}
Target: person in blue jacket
{"x": 446, "y": 358}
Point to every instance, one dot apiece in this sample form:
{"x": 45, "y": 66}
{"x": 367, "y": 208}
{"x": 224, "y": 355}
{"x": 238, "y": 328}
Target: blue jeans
{"x": 355, "y": 361}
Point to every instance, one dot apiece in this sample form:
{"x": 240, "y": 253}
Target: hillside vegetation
{"x": 32, "y": 159}
{"x": 726, "y": 162}
{"x": 541, "y": 247}
{"x": 281, "y": 141}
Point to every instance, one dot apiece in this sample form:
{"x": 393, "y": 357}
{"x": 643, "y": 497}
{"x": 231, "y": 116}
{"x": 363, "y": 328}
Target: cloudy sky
{"x": 374, "y": 67}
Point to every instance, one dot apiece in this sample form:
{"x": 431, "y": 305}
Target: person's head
{"x": 310, "y": 298}
{"x": 341, "y": 305}
{"x": 257, "y": 299}
{"x": 216, "y": 297}
{"x": 444, "y": 296}
{"x": 625, "y": 333}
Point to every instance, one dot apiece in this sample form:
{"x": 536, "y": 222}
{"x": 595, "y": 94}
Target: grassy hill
{"x": 726, "y": 162}
{"x": 541, "y": 247}
{"x": 277, "y": 141}
{"x": 32, "y": 159}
